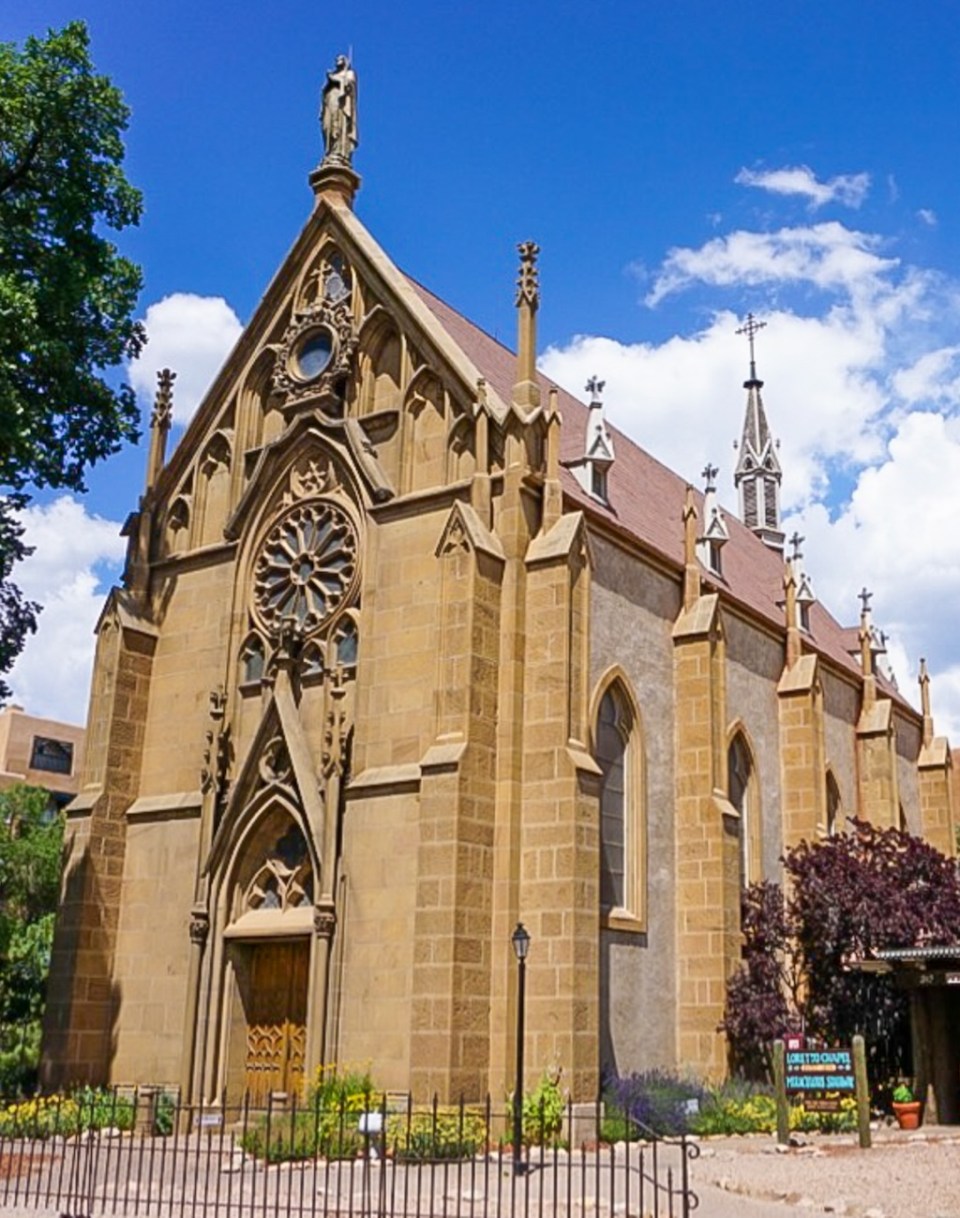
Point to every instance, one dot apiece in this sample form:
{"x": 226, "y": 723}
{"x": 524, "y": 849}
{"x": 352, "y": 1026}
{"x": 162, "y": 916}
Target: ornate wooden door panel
{"x": 276, "y": 1018}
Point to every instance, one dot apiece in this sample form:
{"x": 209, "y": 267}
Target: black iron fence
{"x": 143, "y": 1153}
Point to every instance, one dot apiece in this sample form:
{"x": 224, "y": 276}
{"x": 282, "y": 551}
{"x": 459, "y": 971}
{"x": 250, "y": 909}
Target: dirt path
{"x": 902, "y": 1176}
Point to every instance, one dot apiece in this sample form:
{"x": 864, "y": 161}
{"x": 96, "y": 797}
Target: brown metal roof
{"x": 645, "y": 498}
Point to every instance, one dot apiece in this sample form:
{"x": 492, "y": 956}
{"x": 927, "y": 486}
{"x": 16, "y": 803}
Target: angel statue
{"x": 338, "y": 112}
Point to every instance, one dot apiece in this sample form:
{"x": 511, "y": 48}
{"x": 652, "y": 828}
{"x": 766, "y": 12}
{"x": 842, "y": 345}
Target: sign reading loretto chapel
{"x": 820, "y": 1078}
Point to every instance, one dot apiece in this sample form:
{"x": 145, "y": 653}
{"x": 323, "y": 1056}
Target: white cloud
{"x": 52, "y": 675}
{"x": 828, "y": 256}
{"x": 683, "y": 401}
{"x": 863, "y": 389}
{"x": 928, "y": 217}
{"x": 192, "y": 335}
{"x": 847, "y": 188}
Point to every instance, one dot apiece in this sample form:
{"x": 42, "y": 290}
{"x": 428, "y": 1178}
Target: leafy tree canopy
{"x": 31, "y": 853}
{"x": 66, "y": 294}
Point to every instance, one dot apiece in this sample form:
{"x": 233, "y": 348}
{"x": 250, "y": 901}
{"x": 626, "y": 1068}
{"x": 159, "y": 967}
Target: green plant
{"x": 543, "y": 1110}
{"x": 436, "y": 1133}
{"x": 67, "y": 1115}
{"x": 651, "y": 1101}
{"x": 736, "y": 1107}
{"x": 902, "y": 1094}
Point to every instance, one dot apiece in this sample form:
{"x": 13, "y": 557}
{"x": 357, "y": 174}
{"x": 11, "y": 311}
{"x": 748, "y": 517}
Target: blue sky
{"x": 678, "y": 165}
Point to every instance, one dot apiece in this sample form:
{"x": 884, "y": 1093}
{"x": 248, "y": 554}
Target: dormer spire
{"x": 805, "y": 594}
{"x": 757, "y": 476}
{"x": 713, "y": 534}
{"x": 691, "y": 568}
{"x": 526, "y": 391}
{"x": 160, "y": 420}
{"x": 866, "y": 648}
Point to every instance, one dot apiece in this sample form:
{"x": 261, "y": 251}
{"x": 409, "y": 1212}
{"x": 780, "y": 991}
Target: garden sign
{"x": 820, "y": 1078}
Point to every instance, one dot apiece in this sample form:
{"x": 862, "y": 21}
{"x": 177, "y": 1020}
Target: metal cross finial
{"x": 865, "y": 599}
{"x": 797, "y": 541}
{"x": 750, "y": 327}
{"x": 708, "y": 473}
{"x": 595, "y": 388}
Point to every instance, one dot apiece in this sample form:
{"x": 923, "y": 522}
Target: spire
{"x": 526, "y": 391}
{"x": 552, "y": 494}
{"x": 691, "y": 568}
{"x": 794, "y": 646}
{"x": 804, "y": 588}
{"x": 713, "y": 534}
{"x": 924, "y": 680}
{"x": 758, "y": 475}
{"x": 160, "y": 421}
{"x": 866, "y": 648}
{"x": 598, "y": 455}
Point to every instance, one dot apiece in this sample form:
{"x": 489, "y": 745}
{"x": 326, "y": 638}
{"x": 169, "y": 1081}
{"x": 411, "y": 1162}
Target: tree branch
{"x": 24, "y": 165}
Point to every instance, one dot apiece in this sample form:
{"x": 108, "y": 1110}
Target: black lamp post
{"x": 521, "y": 945}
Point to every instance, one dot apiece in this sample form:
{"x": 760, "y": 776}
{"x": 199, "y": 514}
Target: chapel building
{"x": 413, "y": 646}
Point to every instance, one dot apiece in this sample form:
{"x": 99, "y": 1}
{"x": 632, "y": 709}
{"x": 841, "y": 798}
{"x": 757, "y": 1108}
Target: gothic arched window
{"x": 621, "y": 827}
{"x": 742, "y": 793}
{"x": 834, "y": 809}
{"x": 252, "y": 660}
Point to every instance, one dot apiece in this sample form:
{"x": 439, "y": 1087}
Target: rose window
{"x": 306, "y": 567}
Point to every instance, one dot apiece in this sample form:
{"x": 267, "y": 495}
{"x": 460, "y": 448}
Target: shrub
{"x": 656, "y": 1101}
{"x": 307, "y": 1134}
{"x": 737, "y": 1107}
{"x": 439, "y": 1133}
{"x": 543, "y": 1111}
{"x": 67, "y": 1115}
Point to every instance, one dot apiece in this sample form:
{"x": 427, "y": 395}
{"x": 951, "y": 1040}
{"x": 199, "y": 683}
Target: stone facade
{"x": 398, "y": 664}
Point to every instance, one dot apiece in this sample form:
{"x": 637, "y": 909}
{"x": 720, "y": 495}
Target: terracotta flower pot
{"x": 908, "y": 1115}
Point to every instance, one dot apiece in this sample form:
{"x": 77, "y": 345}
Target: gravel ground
{"x": 903, "y": 1175}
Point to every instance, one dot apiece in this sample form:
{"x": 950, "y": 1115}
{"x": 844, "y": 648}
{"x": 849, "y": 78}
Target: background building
{"x": 42, "y": 752}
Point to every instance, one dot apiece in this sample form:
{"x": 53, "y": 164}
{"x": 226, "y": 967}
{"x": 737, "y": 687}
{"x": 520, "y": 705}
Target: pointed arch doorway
{"x": 272, "y": 978}
{"x": 268, "y": 958}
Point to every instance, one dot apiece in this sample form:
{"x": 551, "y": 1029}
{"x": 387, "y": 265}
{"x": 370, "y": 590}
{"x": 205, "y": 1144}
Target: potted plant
{"x": 906, "y": 1107}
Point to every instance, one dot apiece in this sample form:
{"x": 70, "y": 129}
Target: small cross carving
{"x": 708, "y": 473}
{"x": 865, "y": 599}
{"x": 797, "y": 541}
{"x": 595, "y": 388}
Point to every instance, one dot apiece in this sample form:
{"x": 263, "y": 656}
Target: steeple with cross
{"x": 757, "y": 476}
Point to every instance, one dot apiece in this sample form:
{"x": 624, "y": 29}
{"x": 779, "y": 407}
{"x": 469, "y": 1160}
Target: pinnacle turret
{"x": 757, "y": 475}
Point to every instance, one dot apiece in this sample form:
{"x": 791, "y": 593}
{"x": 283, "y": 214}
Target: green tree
{"x": 66, "y": 294}
{"x": 31, "y": 852}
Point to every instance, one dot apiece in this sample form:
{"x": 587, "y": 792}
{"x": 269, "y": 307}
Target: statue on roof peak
{"x": 338, "y": 113}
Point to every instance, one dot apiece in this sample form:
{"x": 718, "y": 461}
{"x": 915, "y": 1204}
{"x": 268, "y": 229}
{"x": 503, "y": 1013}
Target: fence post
{"x": 863, "y": 1090}
{"x": 780, "y": 1085}
{"x": 145, "y": 1116}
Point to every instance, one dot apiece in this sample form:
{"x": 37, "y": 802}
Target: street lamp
{"x": 521, "y": 945}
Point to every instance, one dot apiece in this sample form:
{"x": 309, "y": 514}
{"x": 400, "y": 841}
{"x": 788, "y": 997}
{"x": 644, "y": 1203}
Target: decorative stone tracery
{"x": 306, "y": 567}
{"x": 285, "y": 880}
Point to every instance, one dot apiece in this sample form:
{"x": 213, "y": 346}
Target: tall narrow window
{"x": 834, "y": 812}
{"x": 742, "y": 793}
{"x": 619, "y": 756}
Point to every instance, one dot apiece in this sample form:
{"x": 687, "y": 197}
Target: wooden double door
{"x": 276, "y": 1018}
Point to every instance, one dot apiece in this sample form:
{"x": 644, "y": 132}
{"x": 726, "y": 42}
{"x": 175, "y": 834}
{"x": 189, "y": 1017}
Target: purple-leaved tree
{"x": 846, "y": 897}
